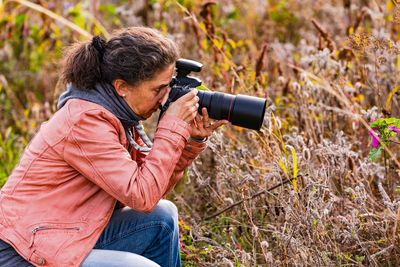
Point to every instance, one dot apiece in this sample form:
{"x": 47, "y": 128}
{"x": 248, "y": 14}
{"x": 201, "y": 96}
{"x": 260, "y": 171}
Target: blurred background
{"x": 300, "y": 192}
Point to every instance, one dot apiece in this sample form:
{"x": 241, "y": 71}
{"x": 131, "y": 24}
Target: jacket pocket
{"x": 51, "y": 237}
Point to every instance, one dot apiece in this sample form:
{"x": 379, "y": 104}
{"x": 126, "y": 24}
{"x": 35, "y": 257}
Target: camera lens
{"x": 240, "y": 110}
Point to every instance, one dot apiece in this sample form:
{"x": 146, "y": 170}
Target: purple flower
{"x": 375, "y": 141}
{"x": 394, "y": 128}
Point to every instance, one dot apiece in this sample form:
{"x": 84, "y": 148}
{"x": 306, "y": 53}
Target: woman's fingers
{"x": 190, "y": 97}
{"x": 206, "y": 118}
{"x": 216, "y": 124}
{"x": 202, "y": 127}
{"x": 185, "y": 107}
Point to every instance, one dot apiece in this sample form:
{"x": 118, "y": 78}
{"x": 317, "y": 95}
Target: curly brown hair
{"x": 133, "y": 54}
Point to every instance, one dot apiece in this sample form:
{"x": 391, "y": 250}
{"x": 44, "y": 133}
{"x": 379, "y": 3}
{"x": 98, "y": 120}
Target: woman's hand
{"x": 201, "y": 126}
{"x": 185, "y": 107}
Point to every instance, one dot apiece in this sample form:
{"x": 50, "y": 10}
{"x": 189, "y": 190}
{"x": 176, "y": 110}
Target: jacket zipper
{"x": 40, "y": 228}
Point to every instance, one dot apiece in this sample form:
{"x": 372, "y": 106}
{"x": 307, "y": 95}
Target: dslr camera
{"x": 240, "y": 110}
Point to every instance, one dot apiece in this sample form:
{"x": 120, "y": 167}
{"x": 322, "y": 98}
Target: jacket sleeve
{"x": 94, "y": 149}
{"x": 191, "y": 151}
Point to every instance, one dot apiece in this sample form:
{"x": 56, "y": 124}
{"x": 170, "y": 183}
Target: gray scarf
{"x": 105, "y": 95}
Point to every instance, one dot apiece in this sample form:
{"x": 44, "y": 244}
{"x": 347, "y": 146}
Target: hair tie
{"x": 100, "y": 45}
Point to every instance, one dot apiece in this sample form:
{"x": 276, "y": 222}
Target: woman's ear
{"x": 121, "y": 87}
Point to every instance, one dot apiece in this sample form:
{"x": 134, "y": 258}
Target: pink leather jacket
{"x": 63, "y": 191}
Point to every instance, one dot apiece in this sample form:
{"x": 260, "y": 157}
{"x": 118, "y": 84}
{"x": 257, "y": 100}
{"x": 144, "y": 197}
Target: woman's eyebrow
{"x": 162, "y": 85}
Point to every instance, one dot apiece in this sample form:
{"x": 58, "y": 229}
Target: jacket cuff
{"x": 194, "y": 148}
{"x": 175, "y": 125}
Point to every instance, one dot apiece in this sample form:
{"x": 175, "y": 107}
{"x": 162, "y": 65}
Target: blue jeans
{"x": 154, "y": 236}
{"x": 130, "y": 239}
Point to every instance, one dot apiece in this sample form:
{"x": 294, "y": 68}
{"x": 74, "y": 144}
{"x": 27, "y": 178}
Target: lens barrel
{"x": 240, "y": 110}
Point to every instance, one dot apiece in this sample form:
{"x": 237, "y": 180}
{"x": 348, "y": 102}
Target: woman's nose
{"x": 164, "y": 97}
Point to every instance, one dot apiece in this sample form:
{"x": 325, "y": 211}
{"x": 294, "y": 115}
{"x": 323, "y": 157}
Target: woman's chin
{"x": 149, "y": 114}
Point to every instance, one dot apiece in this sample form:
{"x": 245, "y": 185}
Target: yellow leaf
{"x": 294, "y": 181}
{"x": 351, "y": 30}
{"x": 389, "y": 5}
{"x": 390, "y": 96}
{"x": 282, "y": 165}
{"x": 336, "y": 53}
{"x": 238, "y": 128}
{"x": 294, "y": 162}
{"x": 232, "y": 43}
{"x": 164, "y": 28}
{"x": 359, "y": 98}
{"x": 278, "y": 100}
{"x": 203, "y": 27}
{"x": 218, "y": 43}
{"x": 97, "y": 30}
{"x": 204, "y": 44}
{"x": 253, "y": 76}
{"x": 398, "y": 62}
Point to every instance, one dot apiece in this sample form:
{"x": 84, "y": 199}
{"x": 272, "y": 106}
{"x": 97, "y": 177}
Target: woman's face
{"x": 145, "y": 97}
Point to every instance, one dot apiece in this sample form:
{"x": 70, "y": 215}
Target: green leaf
{"x": 19, "y": 18}
{"x": 376, "y": 123}
{"x": 375, "y": 152}
{"x": 390, "y": 120}
{"x": 234, "y": 14}
{"x": 202, "y": 87}
{"x": 109, "y": 8}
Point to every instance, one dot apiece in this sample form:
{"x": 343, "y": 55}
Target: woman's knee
{"x": 109, "y": 258}
{"x": 167, "y": 214}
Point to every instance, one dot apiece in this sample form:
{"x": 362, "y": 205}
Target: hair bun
{"x": 100, "y": 44}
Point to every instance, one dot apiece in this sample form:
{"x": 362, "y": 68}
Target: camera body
{"x": 240, "y": 110}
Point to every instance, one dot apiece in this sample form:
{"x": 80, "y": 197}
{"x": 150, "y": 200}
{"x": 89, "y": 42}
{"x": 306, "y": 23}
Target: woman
{"x": 88, "y": 189}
